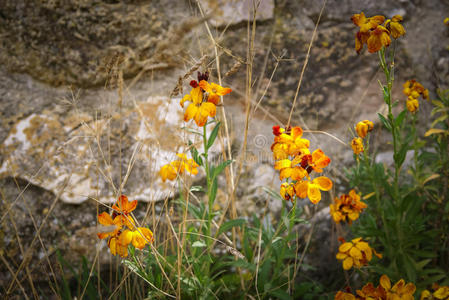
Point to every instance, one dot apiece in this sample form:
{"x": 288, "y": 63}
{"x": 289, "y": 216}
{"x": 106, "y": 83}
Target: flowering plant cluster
{"x": 295, "y": 164}
{"x": 123, "y": 230}
{"x": 347, "y": 208}
{"x": 413, "y": 89}
{"x": 384, "y": 291}
{"x": 374, "y": 34}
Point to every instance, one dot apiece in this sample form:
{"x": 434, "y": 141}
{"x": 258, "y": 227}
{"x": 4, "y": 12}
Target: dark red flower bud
{"x": 276, "y": 130}
{"x": 193, "y": 83}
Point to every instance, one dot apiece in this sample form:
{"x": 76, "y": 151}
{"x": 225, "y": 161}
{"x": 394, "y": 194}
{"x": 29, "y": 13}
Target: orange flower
{"x": 367, "y": 24}
{"x": 355, "y": 253}
{"x": 312, "y": 189}
{"x": 344, "y": 296}
{"x": 357, "y": 145}
{"x": 347, "y": 208}
{"x": 379, "y": 37}
{"x": 363, "y": 127}
{"x": 316, "y": 162}
{"x": 214, "y": 90}
{"x": 114, "y": 224}
{"x": 124, "y": 206}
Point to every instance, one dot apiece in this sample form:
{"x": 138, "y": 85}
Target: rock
{"x": 230, "y": 12}
{"x": 93, "y": 157}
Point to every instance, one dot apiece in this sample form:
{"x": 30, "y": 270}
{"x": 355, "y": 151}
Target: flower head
{"x": 413, "y": 89}
{"x": 312, "y": 189}
{"x": 287, "y": 191}
{"x": 347, "y": 208}
{"x": 395, "y": 26}
{"x": 357, "y": 145}
{"x": 119, "y": 237}
{"x": 356, "y": 253}
{"x": 363, "y": 127}
{"x": 374, "y": 34}
{"x": 170, "y": 171}
{"x": 201, "y": 108}
{"x": 399, "y": 291}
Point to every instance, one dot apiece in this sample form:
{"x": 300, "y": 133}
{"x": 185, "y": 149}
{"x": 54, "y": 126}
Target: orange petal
{"x": 197, "y": 95}
{"x": 296, "y": 132}
{"x": 105, "y": 219}
{"x": 301, "y": 189}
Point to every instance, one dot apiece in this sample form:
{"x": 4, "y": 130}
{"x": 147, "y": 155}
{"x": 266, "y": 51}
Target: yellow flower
{"x": 395, "y": 26}
{"x": 347, "y": 208}
{"x": 287, "y": 191}
{"x": 412, "y": 104}
{"x": 289, "y": 170}
{"x": 312, "y": 189}
{"x": 170, "y": 171}
{"x": 356, "y": 253}
{"x": 413, "y": 88}
{"x": 446, "y": 21}
{"x": 367, "y": 26}
{"x": 400, "y": 291}
{"x": 379, "y": 38}
{"x": 117, "y": 248}
{"x": 214, "y": 90}
{"x": 442, "y": 292}
{"x": 363, "y": 127}
{"x": 139, "y": 237}
{"x": 289, "y": 143}
{"x": 357, "y": 145}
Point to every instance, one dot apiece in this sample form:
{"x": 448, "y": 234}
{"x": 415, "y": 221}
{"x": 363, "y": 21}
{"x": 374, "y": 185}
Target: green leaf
{"x": 400, "y": 118}
{"x": 213, "y": 191}
{"x": 384, "y": 121}
{"x": 229, "y": 224}
{"x": 197, "y": 188}
{"x": 400, "y": 156}
{"x": 220, "y": 168}
{"x": 194, "y": 152}
{"x": 213, "y": 136}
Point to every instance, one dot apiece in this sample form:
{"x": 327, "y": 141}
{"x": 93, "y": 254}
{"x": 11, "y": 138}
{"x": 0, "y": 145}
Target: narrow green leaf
{"x": 213, "y": 191}
{"x": 400, "y": 118}
{"x": 217, "y": 171}
{"x": 384, "y": 121}
{"x": 229, "y": 224}
{"x": 213, "y": 135}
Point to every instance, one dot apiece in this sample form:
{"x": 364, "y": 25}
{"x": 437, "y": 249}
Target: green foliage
{"x": 406, "y": 218}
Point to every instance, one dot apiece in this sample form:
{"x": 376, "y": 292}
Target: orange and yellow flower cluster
{"x": 374, "y": 34}
{"x": 356, "y": 253}
{"x": 362, "y": 128}
{"x": 399, "y": 291}
{"x": 413, "y": 89}
{"x": 347, "y": 208}
{"x": 439, "y": 292}
{"x": 204, "y": 98}
{"x": 122, "y": 230}
{"x": 295, "y": 164}
{"x": 172, "y": 170}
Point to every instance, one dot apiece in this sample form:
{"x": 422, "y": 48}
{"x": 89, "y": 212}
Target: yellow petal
{"x": 313, "y": 192}
{"x": 301, "y": 188}
{"x": 126, "y": 237}
{"x": 385, "y": 282}
{"x": 345, "y": 247}
{"x": 356, "y": 253}
{"x": 197, "y": 95}
{"x": 323, "y": 183}
{"x": 281, "y": 164}
{"x": 190, "y": 112}
{"x": 347, "y": 263}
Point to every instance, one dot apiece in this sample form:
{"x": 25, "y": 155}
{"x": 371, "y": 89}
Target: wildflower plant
{"x": 399, "y": 197}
